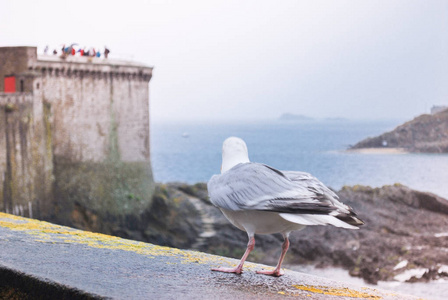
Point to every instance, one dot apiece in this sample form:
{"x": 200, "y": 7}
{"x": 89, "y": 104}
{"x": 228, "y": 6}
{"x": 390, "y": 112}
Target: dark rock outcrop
{"x": 425, "y": 133}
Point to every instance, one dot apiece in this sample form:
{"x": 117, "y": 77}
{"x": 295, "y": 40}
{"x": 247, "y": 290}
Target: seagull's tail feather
{"x": 351, "y": 219}
{"x": 304, "y": 219}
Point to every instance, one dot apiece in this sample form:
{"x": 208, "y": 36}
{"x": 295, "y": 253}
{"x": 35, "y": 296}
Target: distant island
{"x": 294, "y": 117}
{"x": 427, "y": 133}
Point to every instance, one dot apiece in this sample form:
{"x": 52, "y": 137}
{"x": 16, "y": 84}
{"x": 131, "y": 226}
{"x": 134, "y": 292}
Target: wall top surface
{"x": 42, "y": 59}
{"x": 111, "y": 267}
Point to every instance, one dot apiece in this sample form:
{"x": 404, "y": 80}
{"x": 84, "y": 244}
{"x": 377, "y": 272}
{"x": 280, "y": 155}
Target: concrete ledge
{"x": 41, "y": 260}
{"x": 19, "y": 285}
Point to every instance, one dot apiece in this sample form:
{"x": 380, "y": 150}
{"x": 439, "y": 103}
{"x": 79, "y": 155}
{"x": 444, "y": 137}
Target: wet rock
{"x": 172, "y": 220}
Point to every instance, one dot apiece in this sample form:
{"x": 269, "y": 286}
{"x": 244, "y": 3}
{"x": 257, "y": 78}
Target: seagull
{"x": 259, "y": 199}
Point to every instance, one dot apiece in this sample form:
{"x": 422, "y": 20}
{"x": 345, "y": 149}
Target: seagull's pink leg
{"x": 277, "y": 272}
{"x": 239, "y": 269}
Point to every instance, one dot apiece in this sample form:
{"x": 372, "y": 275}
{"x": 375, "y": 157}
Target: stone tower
{"x": 74, "y": 138}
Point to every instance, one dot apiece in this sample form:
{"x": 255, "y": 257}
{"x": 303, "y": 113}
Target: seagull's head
{"x": 234, "y": 151}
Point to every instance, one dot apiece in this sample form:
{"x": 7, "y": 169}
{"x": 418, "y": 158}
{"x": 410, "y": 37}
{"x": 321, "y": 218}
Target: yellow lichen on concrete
{"x": 342, "y": 292}
{"x": 47, "y": 232}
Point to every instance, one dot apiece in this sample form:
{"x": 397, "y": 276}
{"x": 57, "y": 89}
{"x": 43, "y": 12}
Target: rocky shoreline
{"x": 404, "y": 239}
{"x": 426, "y": 133}
{"x": 377, "y": 150}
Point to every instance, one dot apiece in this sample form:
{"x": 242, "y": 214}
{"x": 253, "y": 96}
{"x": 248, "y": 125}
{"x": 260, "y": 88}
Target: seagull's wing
{"x": 310, "y": 182}
{"x": 316, "y": 186}
{"x": 297, "y": 196}
{"x": 342, "y": 213}
{"x": 254, "y": 186}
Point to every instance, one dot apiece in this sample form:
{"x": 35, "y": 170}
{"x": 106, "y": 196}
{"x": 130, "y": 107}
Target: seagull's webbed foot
{"x": 275, "y": 273}
{"x": 236, "y": 270}
{"x": 239, "y": 269}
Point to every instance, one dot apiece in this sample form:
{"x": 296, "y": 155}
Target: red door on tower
{"x": 10, "y": 84}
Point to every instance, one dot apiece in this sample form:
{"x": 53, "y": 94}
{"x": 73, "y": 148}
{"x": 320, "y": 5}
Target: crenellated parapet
{"x": 87, "y": 67}
{"x": 94, "y": 74}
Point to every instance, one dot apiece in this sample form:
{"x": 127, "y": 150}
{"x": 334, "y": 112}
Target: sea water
{"x": 191, "y": 152}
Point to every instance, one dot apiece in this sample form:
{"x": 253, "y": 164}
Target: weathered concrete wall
{"x": 97, "y": 266}
{"x": 95, "y": 131}
{"x": 25, "y": 161}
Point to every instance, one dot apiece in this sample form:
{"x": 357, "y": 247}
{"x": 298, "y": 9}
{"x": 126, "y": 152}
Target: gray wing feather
{"x": 254, "y": 186}
{"x": 311, "y": 182}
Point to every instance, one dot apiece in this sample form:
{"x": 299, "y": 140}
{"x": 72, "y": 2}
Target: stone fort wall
{"x": 90, "y": 132}
{"x": 25, "y": 161}
{"x": 107, "y": 104}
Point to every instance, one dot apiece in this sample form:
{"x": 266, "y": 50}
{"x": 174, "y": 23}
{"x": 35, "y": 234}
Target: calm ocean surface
{"x": 315, "y": 147}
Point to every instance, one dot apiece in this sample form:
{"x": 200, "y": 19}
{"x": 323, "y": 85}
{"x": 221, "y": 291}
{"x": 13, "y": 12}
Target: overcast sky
{"x": 258, "y": 59}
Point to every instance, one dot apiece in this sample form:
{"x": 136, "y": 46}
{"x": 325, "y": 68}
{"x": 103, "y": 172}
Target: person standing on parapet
{"x": 63, "y": 51}
{"x": 106, "y": 52}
